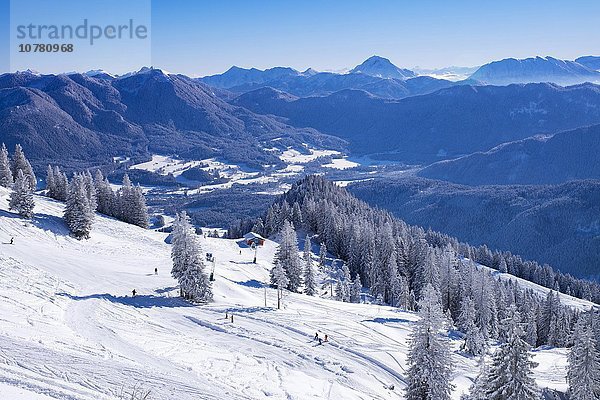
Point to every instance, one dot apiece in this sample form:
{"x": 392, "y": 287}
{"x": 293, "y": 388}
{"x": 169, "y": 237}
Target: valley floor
{"x": 70, "y": 328}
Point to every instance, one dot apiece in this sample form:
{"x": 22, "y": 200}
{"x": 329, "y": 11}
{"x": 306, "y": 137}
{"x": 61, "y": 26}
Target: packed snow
{"x": 72, "y": 330}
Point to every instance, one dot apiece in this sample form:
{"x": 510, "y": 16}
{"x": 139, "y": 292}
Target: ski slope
{"x": 69, "y": 328}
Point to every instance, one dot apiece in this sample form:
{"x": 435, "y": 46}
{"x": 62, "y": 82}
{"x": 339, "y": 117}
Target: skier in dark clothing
{"x": 155, "y": 271}
{"x": 133, "y": 292}
{"x": 326, "y": 339}
{"x": 317, "y": 336}
{"x": 12, "y": 240}
{"x": 320, "y": 341}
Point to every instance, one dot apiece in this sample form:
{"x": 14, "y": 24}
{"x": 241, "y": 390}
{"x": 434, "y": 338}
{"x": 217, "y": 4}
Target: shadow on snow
{"x": 139, "y": 301}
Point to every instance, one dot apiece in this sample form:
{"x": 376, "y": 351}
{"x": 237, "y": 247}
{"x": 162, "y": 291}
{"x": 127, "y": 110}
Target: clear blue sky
{"x": 206, "y": 37}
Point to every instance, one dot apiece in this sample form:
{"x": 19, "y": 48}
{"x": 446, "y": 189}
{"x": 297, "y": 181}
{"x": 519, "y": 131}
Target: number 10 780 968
{"x": 45, "y": 48}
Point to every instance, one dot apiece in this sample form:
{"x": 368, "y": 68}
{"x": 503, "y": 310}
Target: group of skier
{"x": 321, "y": 341}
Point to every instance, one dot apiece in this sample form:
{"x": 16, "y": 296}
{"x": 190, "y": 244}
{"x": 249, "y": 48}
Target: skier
{"x": 317, "y": 336}
{"x": 320, "y": 341}
{"x": 326, "y": 339}
{"x": 12, "y": 240}
{"x": 133, "y": 292}
{"x": 155, "y": 271}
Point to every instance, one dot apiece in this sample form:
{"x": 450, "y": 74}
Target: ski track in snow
{"x": 69, "y": 328}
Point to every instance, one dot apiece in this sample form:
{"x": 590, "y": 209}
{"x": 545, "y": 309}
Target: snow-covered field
{"x": 235, "y": 174}
{"x": 69, "y": 328}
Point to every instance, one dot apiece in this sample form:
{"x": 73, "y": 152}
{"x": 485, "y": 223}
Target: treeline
{"x": 84, "y": 195}
{"x": 396, "y": 262}
{"x": 543, "y": 275}
{"x": 341, "y": 241}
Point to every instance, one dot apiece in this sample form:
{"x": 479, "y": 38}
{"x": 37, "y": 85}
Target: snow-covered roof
{"x": 252, "y": 235}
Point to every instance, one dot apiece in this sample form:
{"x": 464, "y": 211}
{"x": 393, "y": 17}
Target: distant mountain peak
{"x": 535, "y": 69}
{"x": 381, "y": 67}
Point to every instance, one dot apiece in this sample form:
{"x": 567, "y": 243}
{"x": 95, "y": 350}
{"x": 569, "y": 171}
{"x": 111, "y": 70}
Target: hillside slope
{"x": 445, "y": 124}
{"x": 71, "y": 330}
{"x": 538, "y": 160}
{"x": 558, "y": 225}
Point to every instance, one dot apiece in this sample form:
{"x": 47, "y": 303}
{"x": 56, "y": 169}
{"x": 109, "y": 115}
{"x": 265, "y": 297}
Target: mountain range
{"x": 78, "y": 118}
{"x": 446, "y": 124}
{"x": 377, "y": 76}
{"x": 537, "y": 69}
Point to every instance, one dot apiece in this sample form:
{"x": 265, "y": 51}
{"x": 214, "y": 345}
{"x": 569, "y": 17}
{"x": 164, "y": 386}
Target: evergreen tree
{"x": 50, "y": 183}
{"x": 346, "y": 283}
{"x": 310, "y": 284}
{"x": 356, "y": 289}
{"x": 20, "y": 162}
{"x": 474, "y": 342}
{"x": 339, "y": 290}
{"x": 429, "y": 364}
{"x": 322, "y": 256}
{"x": 280, "y": 279}
{"x": 287, "y": 256}
{"x": 296, "y": 216}
{"x": 90, "y": 190}
{"x": 21, "y": 198}
{"x": 61, "y": 183}
{"x": 584, "y": 363}
{"x": 139, "y": 211}
{"x": 509, "y": 376}
{"x": 477, "y": 391}
{"x": 78, "y": 214}
{"x": 188, "y": 266}
{"x": 104, "y": 194}
{"x": 502, "y": 267}
{"x": 6, "y": 176}
{"x": 259, "y": 227}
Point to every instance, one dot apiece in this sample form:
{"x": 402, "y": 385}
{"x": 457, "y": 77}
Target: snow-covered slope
{"x": 71, "y": 330}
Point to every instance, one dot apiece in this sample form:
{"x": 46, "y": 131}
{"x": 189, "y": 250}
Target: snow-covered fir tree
{"x": 584, "y": 362}
{"x": 509, "y": 376}
{"x": 259, "y": 226}
{"x": 188, "y": 265}
{"x": 20, "y": 162}
{"x": 355, "y": 289}
{"x": 310, "y": 282}
{"x": 477, "y": 391}
{"x": 322, "y": 256}
{"x": 280, "y": 279}
{"x": 6, "y": 176}
{"x": 62, "y": 184}
{"x": 346, "y": 283}
{"x": 474, "y": 343}
{"x": 104, "y": 194}
{"x": 90, "y": 190}
{"x": 78, "y": 214}
{"x": 429, "y": 363}
{"x": 339, "y": 290}
{"x": 139, "y": 210}
{"x": 50, "y": 183}
{"x": 287, "y": 255}
{"x": 131, "y": 204}
{"x": 57, "y": 183}
{"x": 21, "y": 198}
